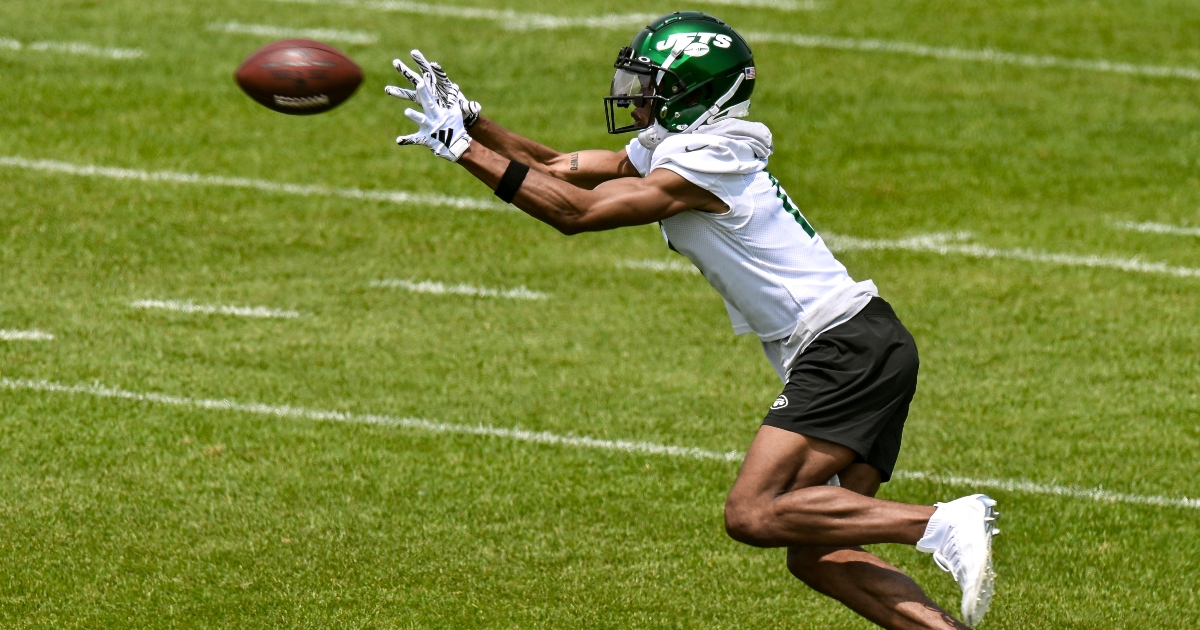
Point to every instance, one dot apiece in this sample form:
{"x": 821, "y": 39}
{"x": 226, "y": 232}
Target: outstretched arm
{"x": 571, "y": 209}
{"x": 586, "y": 169}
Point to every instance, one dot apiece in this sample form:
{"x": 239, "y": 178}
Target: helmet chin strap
{"x": 652, "y": 136}
{"x": 712, "y": 111}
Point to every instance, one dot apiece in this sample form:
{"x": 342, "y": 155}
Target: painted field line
{"x": 25, "y": 335}
{"x": 781, "y": 5}
{"x": 73, "y": 48}
{"x": 211, "y": 309}
{"x": 287, "y": 411}
{"x": 303, "y": 190}
{"x": 942, "y": 244}
{"x": 518, "y": 20}
{"x": 429, "y": 286}
{"x": 506, "y": 17}
{"x": 545, "y": 437}
{"x": 984, "y": 55}
{"x": 946, "y": 244}
{"x": 1030, "y": 487}
{"x": 321, "y": 34}
{"x": 1158, "y": 228}
{"x": 660, "y": 265}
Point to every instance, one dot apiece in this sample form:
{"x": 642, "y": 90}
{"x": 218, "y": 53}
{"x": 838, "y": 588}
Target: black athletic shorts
{"x": 852, "y": 386}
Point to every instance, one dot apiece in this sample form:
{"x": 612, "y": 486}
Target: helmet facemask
{"x": 636, "y": 82}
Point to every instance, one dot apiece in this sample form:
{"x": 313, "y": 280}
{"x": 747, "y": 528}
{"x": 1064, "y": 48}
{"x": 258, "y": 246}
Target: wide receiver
{"x": 848, "y": 364}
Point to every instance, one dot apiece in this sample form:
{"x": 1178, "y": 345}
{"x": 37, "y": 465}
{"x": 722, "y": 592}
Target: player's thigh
{"x": 861, "y": 478}
{"x": 780, "y": 461}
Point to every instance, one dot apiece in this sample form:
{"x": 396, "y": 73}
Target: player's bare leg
{"x": 780, "y": 500}
{"x": 862, "y": 581}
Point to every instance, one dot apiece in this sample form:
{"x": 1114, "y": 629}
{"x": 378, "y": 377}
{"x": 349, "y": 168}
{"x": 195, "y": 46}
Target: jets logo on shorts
{"x": 780, "y": 402}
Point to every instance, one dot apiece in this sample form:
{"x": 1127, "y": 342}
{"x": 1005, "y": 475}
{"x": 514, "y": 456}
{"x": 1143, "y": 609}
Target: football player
{"x": 849, "y": 367}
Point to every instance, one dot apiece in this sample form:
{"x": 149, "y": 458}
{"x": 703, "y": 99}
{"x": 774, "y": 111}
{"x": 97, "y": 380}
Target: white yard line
{"x": 506, "y": 17}
{"x": 429, "y": 286}
{"x": 984, "y": 55}
{"x": 518, "y": 20}
{"x": 287, "y": 411}
{"x": 25, "y": 335}
{"x": 321, "y": 34}
{"x": 941, "y": 244}
{"x": 949, "y": 244}
{"x": 545, "y": 437}
{"x": 212, "y": 309}
{"x": 1030, "y": 487}
{"x": 782, "y": 5}
{"x": 73, "y": 48}
{"x": 1158, "y": 228}
{"x": 303, "y": 190}
{"x": 660, "y": 265}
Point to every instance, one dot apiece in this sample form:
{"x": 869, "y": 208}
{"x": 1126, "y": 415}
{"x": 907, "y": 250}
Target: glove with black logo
{"x": 447, "y": 90}
{"x": 440, "y": 126}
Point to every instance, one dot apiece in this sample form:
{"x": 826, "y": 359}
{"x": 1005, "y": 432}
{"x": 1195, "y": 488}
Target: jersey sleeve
{"x": 708, "y": 163}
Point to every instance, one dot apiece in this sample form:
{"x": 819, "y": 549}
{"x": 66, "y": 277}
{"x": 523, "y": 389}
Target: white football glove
{"x": 448, "y": 91}
{"x": 441, "y": 126}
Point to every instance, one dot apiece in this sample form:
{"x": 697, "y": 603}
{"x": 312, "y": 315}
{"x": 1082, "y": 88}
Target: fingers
{"x": 412, "y": 77}
{"x": 425, "y": 97}
{"x": 408, "y": 95}
{"x": 422, "y": 63}
{"x": 415, "y": 116}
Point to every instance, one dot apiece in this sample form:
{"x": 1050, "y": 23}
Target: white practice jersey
{"x": 776, "y": 275}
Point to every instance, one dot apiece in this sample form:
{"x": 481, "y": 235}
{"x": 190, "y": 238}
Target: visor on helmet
{"x": 629, "y": 88}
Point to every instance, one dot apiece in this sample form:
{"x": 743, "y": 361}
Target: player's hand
{"x": 440, "y": 126}
{"x": 448, "y": 91}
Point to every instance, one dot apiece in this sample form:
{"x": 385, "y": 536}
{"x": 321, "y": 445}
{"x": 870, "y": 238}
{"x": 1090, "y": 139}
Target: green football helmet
{"x": 693, "y": 67}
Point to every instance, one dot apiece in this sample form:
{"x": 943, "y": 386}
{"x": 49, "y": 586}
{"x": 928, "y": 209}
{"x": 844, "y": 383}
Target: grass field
{"x": 1054, "y": 350}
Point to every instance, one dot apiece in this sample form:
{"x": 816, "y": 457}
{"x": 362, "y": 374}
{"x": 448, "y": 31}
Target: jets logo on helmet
{"x": 693, "y": 68}
{"x": 695, "y": 44}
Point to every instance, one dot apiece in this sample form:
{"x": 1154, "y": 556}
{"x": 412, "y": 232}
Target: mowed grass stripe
{"x": 303, "y": 190}
{"x": 516, "y": 20}
{"x": 545, "y": 437}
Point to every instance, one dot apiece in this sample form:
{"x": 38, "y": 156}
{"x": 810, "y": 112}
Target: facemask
{"x": 652, "y": 136}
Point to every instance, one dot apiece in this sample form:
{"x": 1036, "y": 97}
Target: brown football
{"x": 299, "y": 76}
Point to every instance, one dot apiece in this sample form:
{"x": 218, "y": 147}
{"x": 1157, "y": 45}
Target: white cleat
{"x": 960, "y": 537}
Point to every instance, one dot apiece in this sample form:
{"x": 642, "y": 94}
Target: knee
{"x": 746, "y": 522}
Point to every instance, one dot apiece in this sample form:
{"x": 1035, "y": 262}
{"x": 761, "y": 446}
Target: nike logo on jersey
{"x": 444, "y": 136}
{"x": 690, "y": 149}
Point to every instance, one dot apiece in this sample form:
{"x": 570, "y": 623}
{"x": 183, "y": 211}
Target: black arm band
{"x": 514, "y": 176}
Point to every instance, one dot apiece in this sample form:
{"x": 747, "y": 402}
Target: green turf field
{"x": 127, "y": 512}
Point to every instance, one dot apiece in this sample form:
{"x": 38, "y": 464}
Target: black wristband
{"x": 511, "y": 182}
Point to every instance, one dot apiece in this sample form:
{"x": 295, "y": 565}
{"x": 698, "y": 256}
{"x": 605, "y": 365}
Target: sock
{"x": 936, "y": 531}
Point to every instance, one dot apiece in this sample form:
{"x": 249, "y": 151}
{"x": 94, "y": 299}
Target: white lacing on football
{"x": 960, "y": 537}
{"x": 302, "y": 102}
